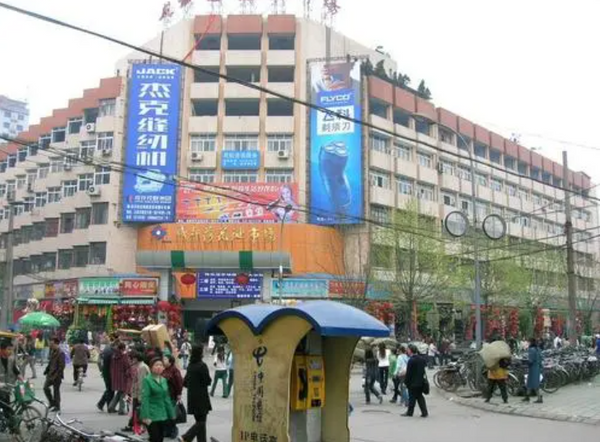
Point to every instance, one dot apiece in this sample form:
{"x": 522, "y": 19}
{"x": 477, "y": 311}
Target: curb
{"x": 477, "y": 403}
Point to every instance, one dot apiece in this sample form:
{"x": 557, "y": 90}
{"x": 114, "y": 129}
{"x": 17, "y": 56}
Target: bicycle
{"x": 54, "y": 426}
{"x": 19, "y": 417}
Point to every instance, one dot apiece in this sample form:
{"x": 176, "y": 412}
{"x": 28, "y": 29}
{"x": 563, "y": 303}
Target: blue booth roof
{"x": 328, "y": 318}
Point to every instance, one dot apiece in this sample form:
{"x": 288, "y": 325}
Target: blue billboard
{"x": 224, "y": 286}
{"x": 152, "y": 143}
{"x": 300, "y": 288}
{"x": 336, "y": 172}
{"x": 240, "y": 160}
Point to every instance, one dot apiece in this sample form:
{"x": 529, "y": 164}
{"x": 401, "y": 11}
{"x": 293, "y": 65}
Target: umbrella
{"x": 492, "y": 353}
{"x": 39, "y": 320}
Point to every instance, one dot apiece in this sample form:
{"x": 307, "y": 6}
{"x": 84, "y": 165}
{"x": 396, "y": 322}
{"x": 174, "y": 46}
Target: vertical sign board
{"x": 336, "y": 173}
{"x": 152, "y": 142}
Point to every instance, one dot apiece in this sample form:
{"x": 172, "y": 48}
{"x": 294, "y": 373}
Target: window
{"x": 446, "y": 136}
{"x": 277, "y": 142}
{"x": 496, "y": 184}
{"x": 405, "y": 186}
{"x": 523, "y": 194}
{"x": 446, "y": 167}
{"x": 537, "y": 199}
{"x": 81, "y": 256}
{"x": 69, "y": 188}
{"x": 465, "y": 206}
{"x": 241, "y": 142}
{"x": 12, "y": 161}
{"x": 6, "y": 125}
{"x": 204, "y": 77}
{"x": 43, "y": 171}
{"x": 74, "y": 125}
{"x": 277, "y": 107}
{"x": 241, "y": 176}
{"x": 48, "y": 262}
{"x": 379, "y": 108}
{"x": 90, "y": 115}
{"x": 39, "y": 231}
{"x": 85, "y": 181}
{"x": 464, "y": 142}
{"x": 2, "y": 190}
{"x": 557, "y": 181}
{"x": 379, "y": 179}
{"x": 22, "y": 155}
{"x": 36, "y": 263}
{"x": 480, "y": 150}
{"x": 510, "y": 163}
{"x": 106, "y": 108}
{"x": 54, "y": 194}
{"x": 279, "y": 176}
{"x": 424, "y": 159}
{"x": 401, "y": 118}
{"x": 380, "y": 143}
{"x": 52, "y": 227}
{"x": 86, "y": 149}
{"x": 244, "y": 42}
{"x": 482, "y": 210}
{"x": 83, "y": 217}
{"x": 67, "y": 222}
{"x": 464, "y": 173}
{"x": 21, "y": 117}
{"x": 3, "y": 165}
{"x": 482, "y": 180}
{"x": 57, "y": 166}
{"x": 16, "y": 237}
{"x": 10, "y": 187}
{"x": 210, "y": 42}
{"x": 28, "y": 203}
{"x": 380, "y": 214}
{"x": 65, "y": 259}
{"x": 100, "y": 213}
{"x": 202, "y": 175}
{"x": 425, "y": 192}
{"x": 21, "y": 181}
{"x": 203, "y": 143}
{"x": 403, "y": 151}
{"x": 59, "y": 134}
{"x": 19, "y": 128}
{"x": 26, "y": 234}
{"x": 31, "y": 177}
{"x": 104, "y": 141}
{"x": 282, "y": 42}
{"x": 281, "y": 74}
{"x": 97, "y": 253}
{"x": 525, "y": 221}
{"x": 44, "y": 141}
{"x": 449, "y": 199}
{"x": 534, "y": 172}
{"x": 250, "y": 74}
{"x": 41, "y": 199}
{"x": 423, "y": 127}
{"x": 242, "y": 107}
{"x": 511, "y": 189}
{"x": 205, "y": 108}
{"x": 102, "y": 175}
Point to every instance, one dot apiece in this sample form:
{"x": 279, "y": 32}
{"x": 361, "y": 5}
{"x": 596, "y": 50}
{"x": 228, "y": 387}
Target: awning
{"x": 137, "y": 301}
{"x": 98, "y": 301}
{"x": 114, "y": 300}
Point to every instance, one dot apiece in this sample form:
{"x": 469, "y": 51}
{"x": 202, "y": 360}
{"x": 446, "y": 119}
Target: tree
{"x": 367, "y": 67}
{"x": 379, "y": 70}
{"x": 417, "y": 268}
{"x": 423, "y": 91}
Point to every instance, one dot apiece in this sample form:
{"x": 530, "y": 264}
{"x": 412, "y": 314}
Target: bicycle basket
{"x": 24, "y": 393}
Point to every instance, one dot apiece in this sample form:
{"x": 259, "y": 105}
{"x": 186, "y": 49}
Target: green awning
{"x": 98, "y": 301}
{"x": 112, "y": 300}
{"x": 137, "y": 301}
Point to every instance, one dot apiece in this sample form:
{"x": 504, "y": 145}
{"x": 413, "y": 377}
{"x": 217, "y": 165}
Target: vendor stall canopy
{"x": 328, "y": 318}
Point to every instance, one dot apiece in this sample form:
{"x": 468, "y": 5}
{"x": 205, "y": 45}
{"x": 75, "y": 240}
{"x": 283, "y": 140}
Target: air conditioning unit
{"x": 197, "y": 157}
{"x": 107, "y": 151}
{"x": 283, "y": 154}
{"x": 90, "y": 127}
{"x": 93, "y": 191}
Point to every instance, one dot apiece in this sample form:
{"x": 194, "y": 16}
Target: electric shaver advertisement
{"x": 336, "y": 173}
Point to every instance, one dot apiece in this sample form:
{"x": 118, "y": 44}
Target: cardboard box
{"x": 155, "y": 335}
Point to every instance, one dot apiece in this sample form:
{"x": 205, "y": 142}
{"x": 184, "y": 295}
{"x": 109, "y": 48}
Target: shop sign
{"x": 224, "y": 286}
{"x": 240, "y": 160}
{"x": 22, "y": 292}
{"x": 99, "y": 286}
{"x": 61, "y": 289}
{"x": 299, "y": 288}
{"x": 139, "y": 287}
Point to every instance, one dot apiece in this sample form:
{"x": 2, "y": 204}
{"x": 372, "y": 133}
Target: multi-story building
{"x": 14, "y": 116}
{"x": 236, "y": 152}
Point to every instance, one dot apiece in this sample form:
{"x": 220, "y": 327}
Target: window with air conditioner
{"x": 203, "y": 143}
{"x": 280, "y": 142}
{"x": 85, "y": 181}
{"x": 86, "y": 149}
{"x": 449, "y": 199}
{"x": 102, "y": 176}
{"x": 104, "y": 141}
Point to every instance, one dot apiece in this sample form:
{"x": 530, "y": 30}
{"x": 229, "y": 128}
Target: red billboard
{"x": 139, "y": 287}
{"x": 235, "y": 202}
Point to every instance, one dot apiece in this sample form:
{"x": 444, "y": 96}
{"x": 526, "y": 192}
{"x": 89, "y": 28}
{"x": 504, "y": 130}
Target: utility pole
{"x": 7, "y": 308}
{"x": 571, "y": 283}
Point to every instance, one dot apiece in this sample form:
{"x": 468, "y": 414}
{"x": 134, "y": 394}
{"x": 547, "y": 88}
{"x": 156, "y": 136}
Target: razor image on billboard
{"x": 336, "y": 175}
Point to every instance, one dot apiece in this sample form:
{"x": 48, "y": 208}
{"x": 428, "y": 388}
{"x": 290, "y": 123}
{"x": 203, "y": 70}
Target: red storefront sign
{"x": 139, "y": 287}
{"x": 346, "y": 288}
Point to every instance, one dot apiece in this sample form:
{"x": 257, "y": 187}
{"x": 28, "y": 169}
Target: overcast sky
{"x": 529, "y": 67}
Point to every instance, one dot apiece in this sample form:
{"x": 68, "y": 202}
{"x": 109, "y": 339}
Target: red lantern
{"x": 242, "y": 279}
{"x": 163, "y": 306}
{"x": 188, "y": 279}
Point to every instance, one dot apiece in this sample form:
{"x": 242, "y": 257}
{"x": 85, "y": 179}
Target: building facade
{"x": 14, "y": 116}
{"x": 237, "y": 153}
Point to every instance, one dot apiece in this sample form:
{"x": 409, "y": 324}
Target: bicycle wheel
{"x": 551, "y": 382}
{"x": 29, "y": 423}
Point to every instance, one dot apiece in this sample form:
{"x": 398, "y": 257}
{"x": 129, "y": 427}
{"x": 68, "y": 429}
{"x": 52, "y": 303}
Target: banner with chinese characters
{"x": 99, "y": 286}
{"x": 228, "y": 286}
{"x": 139, "y": 287}
{"x": 252, "y": 202}
{"x": 152, "y": 143}
{"x": 336, "y": 172}
{"x": 240, "y": 160}
{"x": 299, "y": 288}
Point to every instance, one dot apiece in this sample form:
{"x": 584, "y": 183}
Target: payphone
{"x": 308, "y": 382}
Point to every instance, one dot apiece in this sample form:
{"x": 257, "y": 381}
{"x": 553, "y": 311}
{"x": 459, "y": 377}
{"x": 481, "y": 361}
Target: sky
{"x": 525, "y": 67}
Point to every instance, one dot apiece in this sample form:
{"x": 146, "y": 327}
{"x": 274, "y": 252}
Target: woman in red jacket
{"x": 175, "y": 382}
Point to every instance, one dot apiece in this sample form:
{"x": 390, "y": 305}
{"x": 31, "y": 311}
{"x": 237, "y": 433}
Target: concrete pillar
{"x": 164, "y": 285}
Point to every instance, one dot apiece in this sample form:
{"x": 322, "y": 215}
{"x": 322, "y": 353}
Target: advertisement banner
{"x": 299, "y": 288}
{"x": 240, "y": 160}
{"x": 197, "y": 206}
{"x": 336, "y": 172}
{"x": 99, "y": 286}
{"x": 139, "y": 287}
{"x": 152, "y": 143}
{"x": 224, "y": 286}
{"x": 61, "y": 289}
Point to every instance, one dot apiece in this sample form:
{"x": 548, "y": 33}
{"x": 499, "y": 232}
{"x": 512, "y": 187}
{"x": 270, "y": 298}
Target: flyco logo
{"x": 156, "y": 71}
{"x": 342, "y": 98}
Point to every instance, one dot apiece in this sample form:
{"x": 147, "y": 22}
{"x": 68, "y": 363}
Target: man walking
{"x": 120, "y": 376}
{"x": 54, "y": 375}
{"x": 415, "y": 382}
{"x": 497, "y": 375}
{"x": 105, "y": 363}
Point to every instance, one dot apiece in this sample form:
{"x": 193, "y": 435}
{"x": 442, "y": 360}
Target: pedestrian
{"x": 598, "y": 344}
{"x": 444, "y": 355}
{"x": 534, "y": 364}
{"x": 400, "y": 375}
{"x": 9, "y": 374}
{"x": 220, "y": 364}
{"x": 392, "y": 374}
{"x": 120, "y": 376}
{"x": 497, "y": 376}
{"x": 371, "y": 375}
{"x": 54, "y": 374}
{"x": 197, "y": 380}
{"x": 156, "y": 409}
{"x": 184, "y": 353}
{"x": 229, "y": 372}
{"x": 39, "y": 349}
{"x": 415, "y": 380}
{"x": 432, "y": 352}
{"x": 80, "y": 354}
{"x": 383, "y": 363}
{"x": 29, "y": 357}
{"x": 104, "y": 363}
{"x": 139, "y": 371}
{"x": 175, "y": 382}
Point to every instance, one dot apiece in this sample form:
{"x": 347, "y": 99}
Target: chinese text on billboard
{"x": 224, "y": 285}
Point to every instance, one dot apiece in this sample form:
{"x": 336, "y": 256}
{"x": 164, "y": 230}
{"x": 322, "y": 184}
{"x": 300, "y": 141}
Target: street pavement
{"x": 448, "y": 421}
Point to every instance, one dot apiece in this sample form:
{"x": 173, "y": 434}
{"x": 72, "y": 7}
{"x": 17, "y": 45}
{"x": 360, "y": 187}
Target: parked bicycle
{"x": 23, "y": 417}
{"x": 59, "y": 430}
